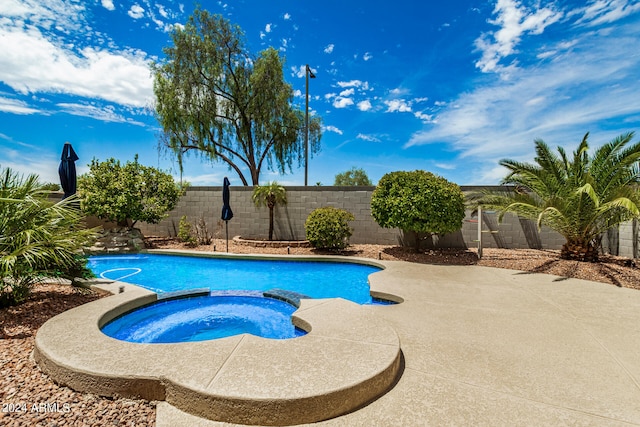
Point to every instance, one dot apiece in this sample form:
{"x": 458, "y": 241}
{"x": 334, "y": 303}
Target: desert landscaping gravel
{"x": 30, "y": 398}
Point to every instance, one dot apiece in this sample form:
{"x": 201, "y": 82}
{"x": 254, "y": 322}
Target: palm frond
{"x": 579, "y": 196}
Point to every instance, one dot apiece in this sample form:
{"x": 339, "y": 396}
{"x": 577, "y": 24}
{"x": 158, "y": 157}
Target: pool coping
{"x": 241, "y": 379}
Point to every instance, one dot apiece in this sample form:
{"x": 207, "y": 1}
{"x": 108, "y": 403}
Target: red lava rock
{"x": 30, "y": 398}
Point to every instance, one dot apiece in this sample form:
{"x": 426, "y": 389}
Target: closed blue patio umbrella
{"x": 67, "y": 170}
{"x": 227, "y": 213}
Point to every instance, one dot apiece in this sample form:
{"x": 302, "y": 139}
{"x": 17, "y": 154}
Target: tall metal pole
{"x": 479, "y": 232}
{"x": 306, "y": 126}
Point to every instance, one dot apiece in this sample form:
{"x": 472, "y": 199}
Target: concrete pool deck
{"x": 486, "y": 346}
{"x": 242, "y": 378}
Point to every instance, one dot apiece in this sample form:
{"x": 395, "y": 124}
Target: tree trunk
{"x": 586, "y": 252}
{"x": 271, "y": 223}
{"x": 417, "y": 242}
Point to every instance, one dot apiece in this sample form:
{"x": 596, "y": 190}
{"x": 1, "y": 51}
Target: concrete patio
{"x": 497, "y": 347}
{"x": 485, "y": 346}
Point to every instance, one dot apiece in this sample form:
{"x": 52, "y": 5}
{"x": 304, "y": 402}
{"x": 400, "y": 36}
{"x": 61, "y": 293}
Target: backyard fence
{"x": 252, "y": 222}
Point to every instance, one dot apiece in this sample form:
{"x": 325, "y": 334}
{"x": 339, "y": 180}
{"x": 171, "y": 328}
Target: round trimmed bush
{"x": 328, "y": 228}
{"x": 419, "y": 202}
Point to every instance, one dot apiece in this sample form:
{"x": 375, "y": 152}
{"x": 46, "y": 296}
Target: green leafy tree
{"x": 419, "y": 202}
{"x": 269, "y": 195}
{"x": 38, "y": 238}
{"x": 580, "y": 197}
{"x": 216, "y": 99}
{"x": 328, "y": 228}
{"x": 128, "y": 193}
{"x": 354, "y": 176}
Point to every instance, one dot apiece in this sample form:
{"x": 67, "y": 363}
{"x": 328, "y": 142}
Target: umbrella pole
{"x": 226, "y": 223}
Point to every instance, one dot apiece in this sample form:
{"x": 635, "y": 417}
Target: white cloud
{"x": 398, "y": 91}
{"x": 398, "y": 105}
{"x": 333, "y": 129}
{"x": 364, "y": 105}
{"x": 299, "y": 71}
{"x": 423, "y": 116}
{"x": 370, "y": 138}
{"x": 136, "y": 11}
{"x": 558, "y": 101}
{"x": 45, "y": 167}
{"x": 15, "y": 106}
{"x": 267, "y": 28}
{"x": 367, "y": 56}
{"x": 607, "y": 11}
{"x": 162, "y": 11}
{"x": 514, "y": 21}
{"x": 31, "y": 63}
{"x": 108, "y": 4}
{"x": 329, "y": 48}
{"x": 446, "y": 166}
{"x": 340, "y": 102}
{"x": 287, "y": 17}
{"x": 66, "y": 17}
{"x": 347, "y": 92}
{"x": 354, "y": 83}
{"x": 104, "y": 114}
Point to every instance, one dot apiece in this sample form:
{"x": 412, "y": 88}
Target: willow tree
{"x": 216, "y": 99}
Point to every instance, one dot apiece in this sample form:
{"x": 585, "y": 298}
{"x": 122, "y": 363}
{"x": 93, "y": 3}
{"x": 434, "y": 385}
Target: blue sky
{"x": 449, "y": 87}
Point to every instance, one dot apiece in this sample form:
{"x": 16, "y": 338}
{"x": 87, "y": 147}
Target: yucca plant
{"x": 269, "y": 195}
{"x": 580, "y": 197}
{"x": 38, "y": 238}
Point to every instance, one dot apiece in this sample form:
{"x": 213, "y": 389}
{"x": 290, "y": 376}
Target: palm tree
{"x": 269, "y": 195}
{"x": 580, "y": 197}
{"x": 38, "y": 238}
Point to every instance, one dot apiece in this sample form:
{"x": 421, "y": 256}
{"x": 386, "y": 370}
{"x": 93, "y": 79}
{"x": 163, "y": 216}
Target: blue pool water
{"x": 168, "y": 273}
{"x": 205, "y": 318}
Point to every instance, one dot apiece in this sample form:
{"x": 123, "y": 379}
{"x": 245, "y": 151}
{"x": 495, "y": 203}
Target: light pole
{"x": 308, "y": 73}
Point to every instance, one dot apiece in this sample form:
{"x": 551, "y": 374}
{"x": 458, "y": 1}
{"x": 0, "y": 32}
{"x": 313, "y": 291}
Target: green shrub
{"x": 127, "y": 193}
{"x": 418, "y": 202}
{"x": 354, "y": 176}
{"x": 39, "y": 239}
{"x": 185, "y": 232}
{"x": 328, "y": 228}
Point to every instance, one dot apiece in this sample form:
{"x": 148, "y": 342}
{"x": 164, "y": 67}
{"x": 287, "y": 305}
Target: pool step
{"x": 290, "y": 297}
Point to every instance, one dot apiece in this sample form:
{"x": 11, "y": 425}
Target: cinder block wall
{"x": 250, "y": 221}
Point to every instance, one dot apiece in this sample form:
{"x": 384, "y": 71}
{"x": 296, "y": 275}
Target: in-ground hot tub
{"x": 206, "y": 317}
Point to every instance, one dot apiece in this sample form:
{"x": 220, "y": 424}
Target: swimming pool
{"x": 172, "y": 273}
